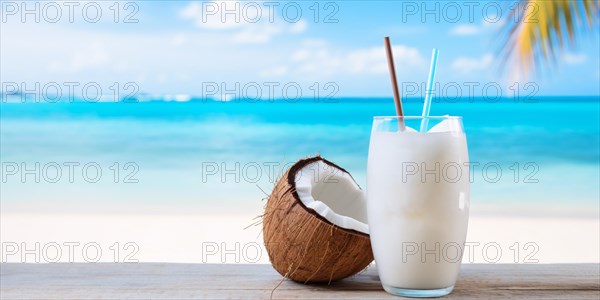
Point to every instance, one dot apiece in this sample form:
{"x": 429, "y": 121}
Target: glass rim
{"x": 417, "y": 117}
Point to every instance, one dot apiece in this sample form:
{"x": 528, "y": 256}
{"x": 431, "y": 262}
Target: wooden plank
{"x": 193, "y": 281}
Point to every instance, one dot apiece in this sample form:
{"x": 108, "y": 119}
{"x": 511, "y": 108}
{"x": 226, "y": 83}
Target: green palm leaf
{"x": 538, "y": 26}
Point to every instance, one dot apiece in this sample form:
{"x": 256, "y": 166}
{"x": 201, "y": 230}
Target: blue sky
{"x": 176, "y": 46}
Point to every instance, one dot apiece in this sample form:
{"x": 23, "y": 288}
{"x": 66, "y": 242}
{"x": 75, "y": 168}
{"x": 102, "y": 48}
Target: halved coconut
{"x": 315, "y": 223}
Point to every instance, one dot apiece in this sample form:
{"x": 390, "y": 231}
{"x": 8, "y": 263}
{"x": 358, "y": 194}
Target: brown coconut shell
{"x": 304, "y": 246}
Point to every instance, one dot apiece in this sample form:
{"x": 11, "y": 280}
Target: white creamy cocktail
{"x": 418, "y": 203}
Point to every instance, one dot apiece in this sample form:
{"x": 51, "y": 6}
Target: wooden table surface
{"x": 195, "y": 281}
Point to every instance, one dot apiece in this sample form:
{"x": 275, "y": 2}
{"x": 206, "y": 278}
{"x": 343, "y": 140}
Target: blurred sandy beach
{"x": 195, "y": 238}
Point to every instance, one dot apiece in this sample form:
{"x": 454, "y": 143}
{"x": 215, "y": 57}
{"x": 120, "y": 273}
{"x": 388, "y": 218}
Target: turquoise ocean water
{"x": 157, "y": 157}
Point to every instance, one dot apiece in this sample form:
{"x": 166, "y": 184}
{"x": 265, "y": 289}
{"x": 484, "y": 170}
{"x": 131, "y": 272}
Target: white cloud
{"x": 149, "y": 59}
{"x": 467, "y": 65}
{"x": 487, "y": 25}
{"x": 373, "y": 60}
{"x": 299, "y": 27}
{"x": 178, "y": 39}
{"x": 257, "y": 34}
{"x": 493, "y": 23}
{"x": 300, "y": 55}
{"x": 191, "y": 11}
{"x": 574, "y": 58}
{"x": 91, "y": 56}
{"x": 319, "y": 58}
{"x": 274, "y": 72}
{"x": 175, "y": 62}
{"x": 202, "y": 18}
{"x": 465, "y": 29}
{"x": 249, "y": 29}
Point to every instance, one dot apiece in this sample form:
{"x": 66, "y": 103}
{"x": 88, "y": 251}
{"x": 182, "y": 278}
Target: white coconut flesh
{"x": 334, "y": 195}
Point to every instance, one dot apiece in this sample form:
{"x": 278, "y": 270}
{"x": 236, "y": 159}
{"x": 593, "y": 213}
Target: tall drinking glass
{"x": 418, "y": 203}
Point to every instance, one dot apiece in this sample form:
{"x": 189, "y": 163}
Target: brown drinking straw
{"x": 390, "y": 59}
